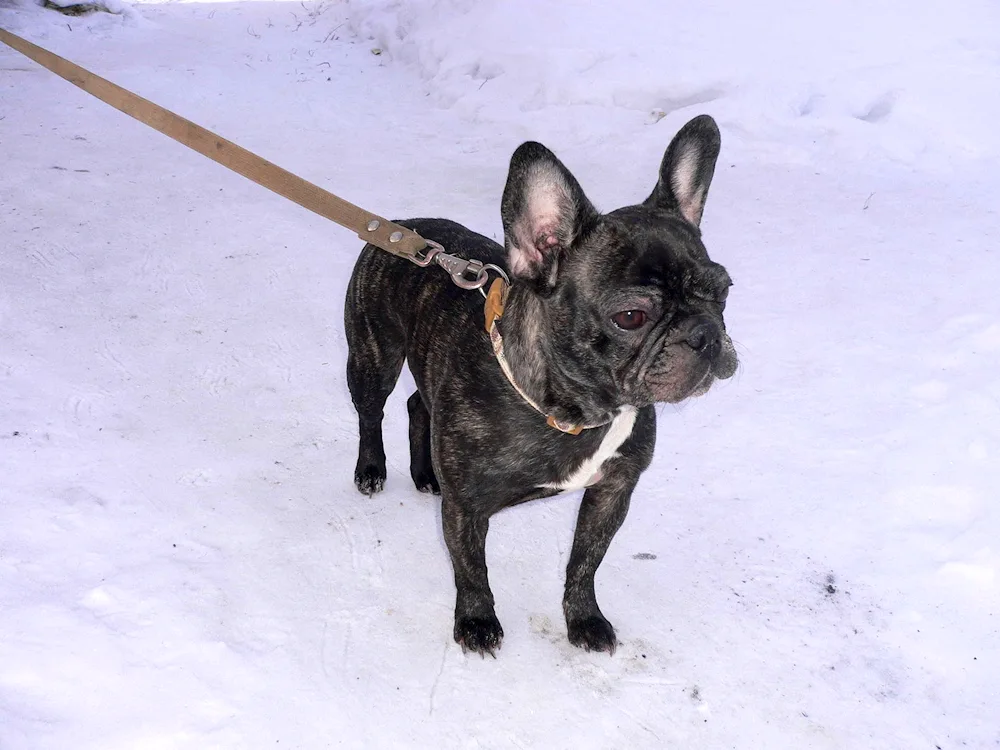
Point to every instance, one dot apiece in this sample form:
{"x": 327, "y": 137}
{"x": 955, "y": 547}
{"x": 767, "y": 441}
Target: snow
{"x": 811, "y": 561}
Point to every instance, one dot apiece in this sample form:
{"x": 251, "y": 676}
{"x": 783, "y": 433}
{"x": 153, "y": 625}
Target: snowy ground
{"x": 811, "y": 562}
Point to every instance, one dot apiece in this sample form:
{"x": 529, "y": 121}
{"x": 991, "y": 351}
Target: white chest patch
{"x": 589, "y": 471}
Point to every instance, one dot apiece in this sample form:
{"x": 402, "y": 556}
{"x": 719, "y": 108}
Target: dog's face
{"x": 629, "y": 305}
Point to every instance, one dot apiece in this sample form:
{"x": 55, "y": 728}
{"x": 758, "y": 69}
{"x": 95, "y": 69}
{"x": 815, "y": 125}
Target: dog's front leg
{"x": 476, "y": 625}
{"x": 601, "y": 515}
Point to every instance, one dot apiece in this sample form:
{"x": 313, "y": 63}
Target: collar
{"x": 496, "y": 301}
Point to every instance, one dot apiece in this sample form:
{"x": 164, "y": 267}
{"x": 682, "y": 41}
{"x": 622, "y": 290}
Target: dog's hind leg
{"x": 421, "y": 468}
{"x": 377, "y": 349}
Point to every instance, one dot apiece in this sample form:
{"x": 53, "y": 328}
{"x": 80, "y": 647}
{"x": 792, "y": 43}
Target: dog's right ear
{"x": 687, "y": 169}
{"x": 544, "y": 211}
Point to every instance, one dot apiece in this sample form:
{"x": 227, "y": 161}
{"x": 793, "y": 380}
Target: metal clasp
{"x": 467, "y": 274}
{"x": 428, "y": 257}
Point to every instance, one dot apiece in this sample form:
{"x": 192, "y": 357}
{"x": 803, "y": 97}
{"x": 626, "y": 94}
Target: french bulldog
{"x": 606, "y": 315}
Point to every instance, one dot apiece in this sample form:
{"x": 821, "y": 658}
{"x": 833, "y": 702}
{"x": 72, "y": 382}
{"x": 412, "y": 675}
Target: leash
{"x": 391, "y": 237}
{"x": 374, "y": 229}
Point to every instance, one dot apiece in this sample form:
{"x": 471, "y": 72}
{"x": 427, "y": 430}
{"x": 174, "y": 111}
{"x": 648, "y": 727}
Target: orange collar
{"x": 496, "y": 301}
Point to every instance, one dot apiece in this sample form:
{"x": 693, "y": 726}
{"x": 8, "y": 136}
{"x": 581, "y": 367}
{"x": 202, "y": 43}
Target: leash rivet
{"x": 373, "y": 225}
{"x": 395, "y": 237}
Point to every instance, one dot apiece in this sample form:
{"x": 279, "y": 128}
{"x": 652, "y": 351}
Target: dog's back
{"x": 388, "y": 300}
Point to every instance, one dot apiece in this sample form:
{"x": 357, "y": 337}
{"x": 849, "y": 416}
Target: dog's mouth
{"x": 679, "y": 372}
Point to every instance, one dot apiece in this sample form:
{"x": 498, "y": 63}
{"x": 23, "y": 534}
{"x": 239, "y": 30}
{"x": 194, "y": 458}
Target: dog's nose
{"x": 704, "y": 334}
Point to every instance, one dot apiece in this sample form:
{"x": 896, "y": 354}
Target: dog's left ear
{"x": 687, "y": 169}
{"x": 544, "y": 211}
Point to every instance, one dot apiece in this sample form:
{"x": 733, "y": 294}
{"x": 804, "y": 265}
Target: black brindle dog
{"x": 607, "y": 314}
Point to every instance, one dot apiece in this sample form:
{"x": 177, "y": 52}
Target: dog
{"x": 606, "y": 315}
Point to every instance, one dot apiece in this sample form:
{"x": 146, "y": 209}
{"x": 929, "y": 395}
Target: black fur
{"x": 473, "y": 438}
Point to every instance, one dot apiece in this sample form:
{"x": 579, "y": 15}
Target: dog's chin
{"x": 677, "y": 384}
{"x": 703, "y": 387}
{"x": 698, "y": 388}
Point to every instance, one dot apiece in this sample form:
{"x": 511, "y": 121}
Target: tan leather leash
{"x": 369, "y": 227}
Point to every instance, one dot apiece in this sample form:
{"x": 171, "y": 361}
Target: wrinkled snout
{"x": 707, "y": 338}
{"x": 697, "y": 352}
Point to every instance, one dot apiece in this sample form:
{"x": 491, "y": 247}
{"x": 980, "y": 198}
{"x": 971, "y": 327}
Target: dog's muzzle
{"x": 707, "y": 338}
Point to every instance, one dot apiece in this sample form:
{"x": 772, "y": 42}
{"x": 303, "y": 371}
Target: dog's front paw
{"x": 369, "y": 479}
{"x": 593, "y": 633}
{"x": 482, "y": 635}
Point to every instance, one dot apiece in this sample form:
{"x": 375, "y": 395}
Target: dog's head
{"x": 627, "y": 305}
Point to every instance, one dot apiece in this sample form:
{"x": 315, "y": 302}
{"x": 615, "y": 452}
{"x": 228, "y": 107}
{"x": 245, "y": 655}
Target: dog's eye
{"x": 629, "y": 320}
